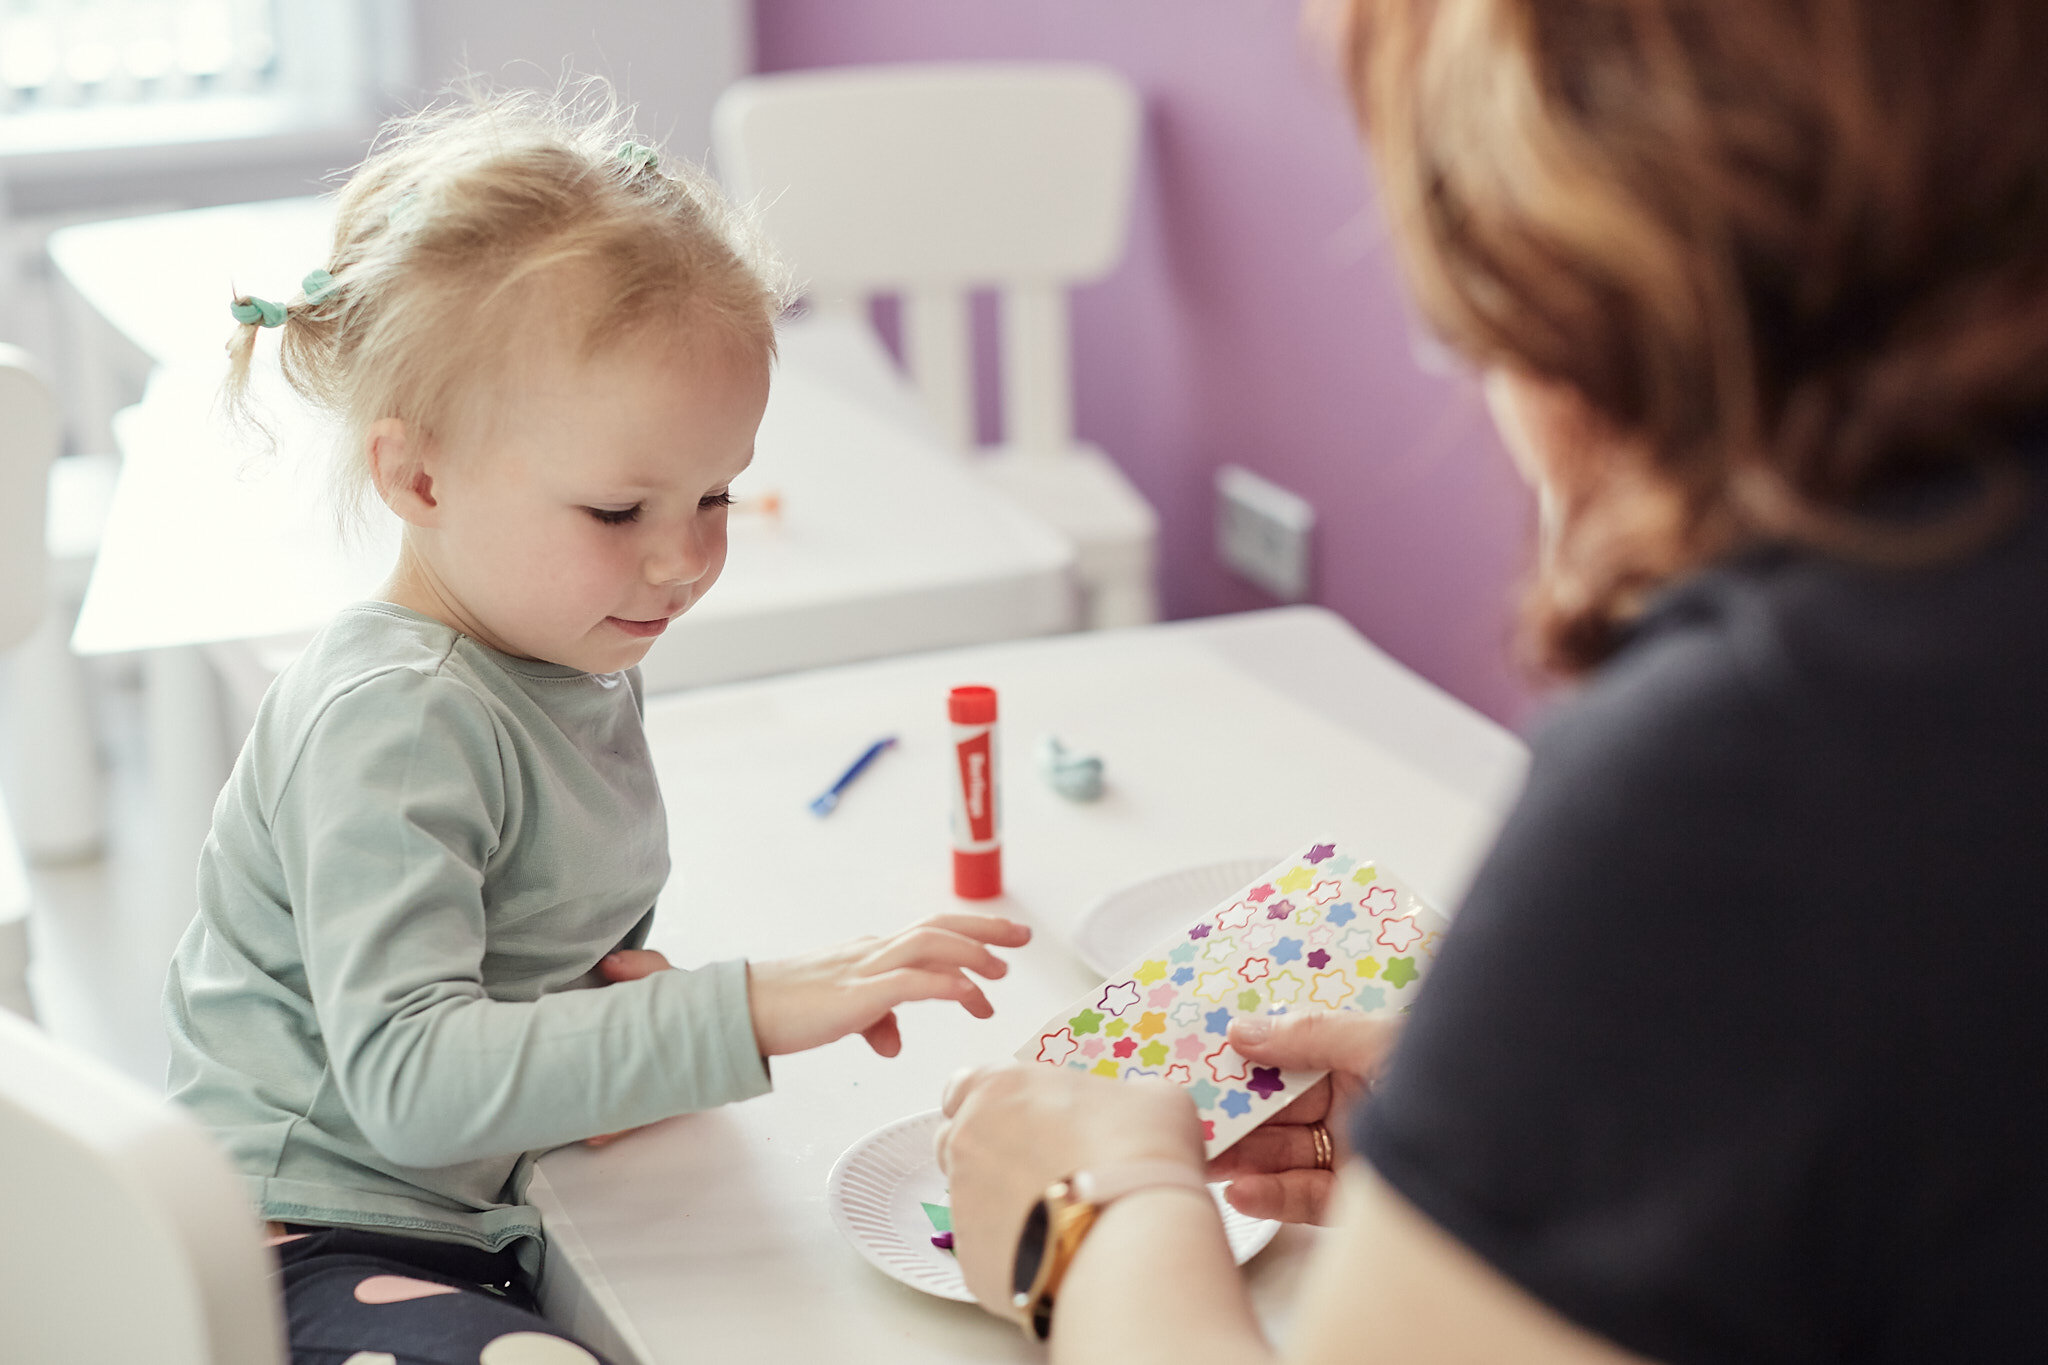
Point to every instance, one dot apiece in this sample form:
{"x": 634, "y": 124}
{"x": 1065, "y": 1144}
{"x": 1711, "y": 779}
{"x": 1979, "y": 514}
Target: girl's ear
{"x": 401, "y": 470}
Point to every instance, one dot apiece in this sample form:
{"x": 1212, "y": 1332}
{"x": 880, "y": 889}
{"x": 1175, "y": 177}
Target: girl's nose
{"x": 679, "y": 559}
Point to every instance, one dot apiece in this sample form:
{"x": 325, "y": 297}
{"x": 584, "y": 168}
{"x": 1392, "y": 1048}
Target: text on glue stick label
{"x": 975, "y": 829}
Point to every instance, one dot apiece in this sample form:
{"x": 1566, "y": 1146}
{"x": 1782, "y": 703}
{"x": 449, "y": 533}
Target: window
{"x": 93, "y": 74}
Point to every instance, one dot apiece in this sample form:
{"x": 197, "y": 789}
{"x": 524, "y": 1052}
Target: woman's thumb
{"x": 1340, "y": 1040}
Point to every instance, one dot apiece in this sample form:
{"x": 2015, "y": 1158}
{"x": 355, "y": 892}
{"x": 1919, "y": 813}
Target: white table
{"x": 707, "y": 1237}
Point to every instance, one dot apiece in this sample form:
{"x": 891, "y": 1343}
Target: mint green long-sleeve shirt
{"x": 388, "y": 998}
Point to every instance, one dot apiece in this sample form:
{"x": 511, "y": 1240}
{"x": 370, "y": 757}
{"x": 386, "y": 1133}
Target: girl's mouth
{"x": 642, "y": 629}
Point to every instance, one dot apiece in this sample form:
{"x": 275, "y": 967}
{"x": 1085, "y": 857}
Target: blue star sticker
{"x": 1341, "y": 914}
{"x": 1184, "y": 953}
{"x": 1237, "y": 1104}
{"x": 1287, "y": 950}
{"x": 1183, "y": 975}
{"x": 1217, "y": 1022}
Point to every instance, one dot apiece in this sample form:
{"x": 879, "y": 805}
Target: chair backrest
{"x": 30, "y": 428}
{"x": 128, "y": 1238}
{"x": 932, "y": 181}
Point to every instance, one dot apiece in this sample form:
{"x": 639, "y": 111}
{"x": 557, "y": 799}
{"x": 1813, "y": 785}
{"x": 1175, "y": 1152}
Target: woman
{"x": 1738, "y": 1050}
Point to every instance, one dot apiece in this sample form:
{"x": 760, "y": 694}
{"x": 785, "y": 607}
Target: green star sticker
{"x": 1247, "y": 1001}
{"x": 1087, "y": 1021}
{"x": 1399, "y": 972}
{"x": 1152, "y": 1054}
{"x": 1114, "y": 1028}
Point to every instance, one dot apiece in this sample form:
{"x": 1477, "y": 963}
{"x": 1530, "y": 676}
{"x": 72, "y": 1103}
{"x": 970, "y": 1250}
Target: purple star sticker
{"x": 1265, "y": 1082}
{"x": 1199, "y": 931}
{"x": 1318, "y": 959}
{"x": 1280, "y": 909}
{"x": 1320, "y": 852}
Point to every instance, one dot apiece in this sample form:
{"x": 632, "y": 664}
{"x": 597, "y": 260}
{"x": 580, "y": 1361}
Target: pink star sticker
{"x": 1399, "y": 934}
{"x": 1225, "y": 1065}
{"x": 1378, "y": 901}
{"x": 1321, "y": 936}
{"x": 1255, "y": 969}
{"x": 1161, "y": 997}
{"x": 1189, "y": 1046}
{"x": 1124, "y": 1047}
{"x": 1092, "y": 1048}
{"x": 1055, "y": 1048}
{"x": 1259, "y": 893}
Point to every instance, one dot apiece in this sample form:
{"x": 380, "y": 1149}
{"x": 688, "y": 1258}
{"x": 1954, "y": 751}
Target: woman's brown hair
{"x": 1789, "y": 252}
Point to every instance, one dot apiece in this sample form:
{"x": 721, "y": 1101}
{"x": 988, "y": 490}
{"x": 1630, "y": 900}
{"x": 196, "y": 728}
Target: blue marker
{"x": 823, "y": 806}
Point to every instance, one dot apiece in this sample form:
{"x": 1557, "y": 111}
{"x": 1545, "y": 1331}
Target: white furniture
{"x": 933, "y": 181}
{"x": 28, "y": 442}
{"x": 128, "y": 1237}
{"x": 708, "y": 1237}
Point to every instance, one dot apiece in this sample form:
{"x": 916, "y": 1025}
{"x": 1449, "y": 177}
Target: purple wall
{"x": 1256, "y": 320}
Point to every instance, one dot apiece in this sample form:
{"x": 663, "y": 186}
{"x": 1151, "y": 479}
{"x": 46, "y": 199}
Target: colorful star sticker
{"x": 1057, "y": 1047}
{"x": 1366, "y": 875}
{"x": 1153, "y": 1053}
{"x": 1287, "y": 950}
{"x": 1325, "y": 892}
{"x": 1357, "y": 940}
{"x": 1320, "y": 852}
{"x": 1124, "y": 1047}
{"x": 1180, "y": 1075}
{"x": 1237, "y": 1104}
{"x": 1087, "y": 1021}
{"x": 1216, "y": 1021}
{"x": 1208, "y": 1130}
{"x": 1203, "y": 1094}
{"x": 1131, "y": 1073}
{"x": 1400, "y": 971}
{"x": 1342, "y": 914}
{"x": 1215, "y": 985}
{"x": 1114, "y": 1028}
{"x": 1341, "y": 864}
{"x": 1284, "y": 989}
{"x": 1188, "y": 1046}
{"x": 1225, "y": 1065}
{"x": 1247, "y": 1000}
{"x": 1369, "y": 998}
{"x": 1185, "y": 1014}
{"x": 1183, "y": 975}
{"x": 1092, "y": 1048}
{"x": 1378, "y": 901}
{"x": 1186, "y": 951}
{"x": 1150, "y": 972}
{"x": 1322, "y": 936}
{"x": 1105, "y": 1067}
{"x": 1265, "y": 1082}
{"x": 1159, "y": 997}
{"x": 1297, "y": 879}
{"x": 1199, "y": 931}
{"x": 1219, "y": 950}
{"x": 1255, "y": 969}
{"x": 1258, "y": 893}
{"x": 1330, "y": 989}
{"x": 1151, "y": 1024}
{"x": 1316, "y": 960}
{"x": 1399, "y": 934}
{"x": 1368, "y": 967}
{"x": 1280, "y": 909}
{"x": 1308, "y": 914}
{"x": 1118, "y": 998}
{"x": 1236, "y": 917}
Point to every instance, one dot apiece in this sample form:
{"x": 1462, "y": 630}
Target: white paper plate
{"x": 878, "y": 1187}
{"x": 1127, "y": 923}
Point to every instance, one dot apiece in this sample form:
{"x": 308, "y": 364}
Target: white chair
{"x": 931, "y": 182}
{"x": 128, "y": 1237}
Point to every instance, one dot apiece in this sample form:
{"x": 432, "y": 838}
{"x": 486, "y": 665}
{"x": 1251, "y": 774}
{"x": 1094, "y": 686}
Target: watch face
{"x": 1030, "y": 1253}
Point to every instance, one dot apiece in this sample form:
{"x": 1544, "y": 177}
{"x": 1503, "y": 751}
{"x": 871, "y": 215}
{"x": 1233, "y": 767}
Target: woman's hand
{"x": 1012, "y": 1130}
{"x": 1272, "y": 1170}
{"x": 806, "y": 1002}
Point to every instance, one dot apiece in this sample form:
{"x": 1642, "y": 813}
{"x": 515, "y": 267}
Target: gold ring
{"x": 1326, "y": 1154}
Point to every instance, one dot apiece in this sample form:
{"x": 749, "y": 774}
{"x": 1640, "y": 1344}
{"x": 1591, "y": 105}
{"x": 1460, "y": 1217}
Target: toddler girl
{"x": 549, "y": 350}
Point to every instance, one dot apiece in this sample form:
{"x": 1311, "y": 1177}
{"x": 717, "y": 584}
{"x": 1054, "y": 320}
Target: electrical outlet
{"x": 1263, "y": 532}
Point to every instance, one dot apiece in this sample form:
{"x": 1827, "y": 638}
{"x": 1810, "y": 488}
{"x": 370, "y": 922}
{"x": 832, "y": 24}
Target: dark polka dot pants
{"x": 370, "y": 1298}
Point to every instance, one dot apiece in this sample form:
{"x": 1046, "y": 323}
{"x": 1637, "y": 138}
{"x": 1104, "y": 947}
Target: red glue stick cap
{"x": 978, "y": 876}
{"x": 971, "y": 705}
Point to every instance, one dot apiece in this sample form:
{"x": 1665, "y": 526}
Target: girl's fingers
{"x": 630, "y": 964}
{"x": 1291, "y": 1197}
{"x": 929, "y": 946}
{"x": 995, "y": 929}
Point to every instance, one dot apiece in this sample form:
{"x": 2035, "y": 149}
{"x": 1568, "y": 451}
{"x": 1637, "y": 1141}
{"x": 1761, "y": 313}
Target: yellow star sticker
{"x": 1284, "y": 989}
{"x": 1216, "y": 985}
{"x": 1150, "y": 1023}
{"x": 1294, "y": 881}
{"x": 1151, "y": 972}
{"x": 1105, "y": 1067}
{"x": 1330, "y": 990}
{"x": 1368, "y": 967}
{"x": 1366, "y": 875}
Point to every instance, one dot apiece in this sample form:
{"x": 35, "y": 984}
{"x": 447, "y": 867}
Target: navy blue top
{"x": 1738, "y": 1051}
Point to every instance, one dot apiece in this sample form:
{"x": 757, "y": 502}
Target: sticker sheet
{"x": 1328, "y": 930}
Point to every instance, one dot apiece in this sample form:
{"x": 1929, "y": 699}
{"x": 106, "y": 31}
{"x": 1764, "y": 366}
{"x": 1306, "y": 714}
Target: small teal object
{"x": 262, "y": 312}
{"x": 636, "y": 154}
{"x": 319, "y": 286}
{"x": 1078, "y": 777}
{"x": 401, "y": 214}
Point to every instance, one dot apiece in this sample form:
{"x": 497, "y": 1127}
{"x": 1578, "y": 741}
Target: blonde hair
{"x": 478, "y": 221}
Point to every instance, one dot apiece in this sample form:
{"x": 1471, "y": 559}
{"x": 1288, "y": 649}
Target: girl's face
{"x": 592, "y": 511}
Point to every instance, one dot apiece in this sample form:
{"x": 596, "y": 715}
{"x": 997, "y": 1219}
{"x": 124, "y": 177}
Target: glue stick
{"x": 977, "y": 836}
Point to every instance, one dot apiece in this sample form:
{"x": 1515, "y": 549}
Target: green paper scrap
{"x": 941, "y": 1216}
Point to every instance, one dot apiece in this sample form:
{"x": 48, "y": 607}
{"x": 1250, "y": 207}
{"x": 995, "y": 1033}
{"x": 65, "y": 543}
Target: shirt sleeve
{"x": 1623, "y": 1085}
{"x": 385, "y": 827}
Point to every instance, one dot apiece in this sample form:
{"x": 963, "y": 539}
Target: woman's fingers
{"x": 1271, "y": 1147}
{"x": 905, "y": 984}
{"x": 1317, "y": 1041}
{"x": 931, "y": 946}
{"x": 995, "y": 929}
{"x": 1291, "y": 1197}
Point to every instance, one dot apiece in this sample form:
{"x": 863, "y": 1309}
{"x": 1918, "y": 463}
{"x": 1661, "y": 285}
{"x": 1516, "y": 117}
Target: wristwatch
{"x": 1061, "y": 1218}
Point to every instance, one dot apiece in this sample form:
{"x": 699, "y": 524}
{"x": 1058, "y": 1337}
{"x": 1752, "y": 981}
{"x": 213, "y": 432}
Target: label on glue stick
{"x": 975, "y": 827}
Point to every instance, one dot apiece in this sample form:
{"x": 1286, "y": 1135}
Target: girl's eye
{"x": 618, "y": 516}
{"x": 722, "y": 498}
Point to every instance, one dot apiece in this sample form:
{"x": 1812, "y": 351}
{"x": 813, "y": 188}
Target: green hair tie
{"x": 319, "y": 286}
{"x": 262, "y": 312}
{"x": 636, "y": 155}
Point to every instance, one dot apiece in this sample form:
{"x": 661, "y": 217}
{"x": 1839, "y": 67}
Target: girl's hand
{"x": 627, "y": 964}
{"x": 806, "y": 1002}
{"x": 1272, "y": 1170}
{"x": 1012, "y": 1130}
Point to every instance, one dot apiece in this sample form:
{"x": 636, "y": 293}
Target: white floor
{"x": 100, "y": 934}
